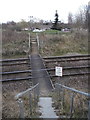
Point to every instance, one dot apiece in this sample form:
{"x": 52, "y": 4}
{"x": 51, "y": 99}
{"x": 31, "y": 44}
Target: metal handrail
{"x": 24, "y": 92}
{"x": 72, "y": 97}
{"x": 74, "y": 90}
{"x": 20, "y": 102}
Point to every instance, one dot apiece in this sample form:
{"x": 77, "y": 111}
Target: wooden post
{"x": 37, "y": 40}
{"x": 29, "y": 41}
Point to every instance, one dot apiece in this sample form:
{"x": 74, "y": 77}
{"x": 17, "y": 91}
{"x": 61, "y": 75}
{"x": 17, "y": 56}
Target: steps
{"x": 45, "y": 107}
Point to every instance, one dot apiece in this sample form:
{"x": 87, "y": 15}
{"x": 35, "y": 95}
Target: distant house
{"x": 65, "y": 30}
{"x": 25, "y": 29}
{"x": 38, "y": 30}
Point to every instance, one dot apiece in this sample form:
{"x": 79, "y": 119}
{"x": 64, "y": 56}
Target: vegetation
{"x": 14, "y": 44}
{"x": 80, "y": 105}
{"x": 54, "y": 43}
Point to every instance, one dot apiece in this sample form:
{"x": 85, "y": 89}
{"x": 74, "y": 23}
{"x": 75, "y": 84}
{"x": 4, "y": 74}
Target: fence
{"x": 33, "y": 96}
{"x": 69, "y": 102}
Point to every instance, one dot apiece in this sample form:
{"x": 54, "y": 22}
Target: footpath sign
{"x": 58, "y": 71}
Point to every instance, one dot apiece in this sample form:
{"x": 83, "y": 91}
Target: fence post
{"x": 29, "y": 41}
{"x": 71, "y": 104}
{"x": 20, "y": 102}
{"x": 37, "y": 40}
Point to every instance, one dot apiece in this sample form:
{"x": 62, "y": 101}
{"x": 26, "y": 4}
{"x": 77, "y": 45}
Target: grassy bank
{"x": 14, "y": 44}
{"x": 52, "y": 43}
{"x": 55, "y": 44}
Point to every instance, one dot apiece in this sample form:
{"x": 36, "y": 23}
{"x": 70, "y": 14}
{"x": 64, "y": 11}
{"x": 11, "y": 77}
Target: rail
{"x": 64, "y": 60}
{"x": 48, "y": 58}
{"x": 33, "y": 99}
{"x": 30, "y": 77}
{"x": 48, "y": 69}
{"x": 11, "y": 64}
{"x": 61, "y": 88}
{"x": 11, "y": 60}
{"x": 60, "y": 57}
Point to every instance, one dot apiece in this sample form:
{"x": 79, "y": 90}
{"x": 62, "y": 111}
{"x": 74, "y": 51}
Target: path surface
{"x": 45, "y": 85}
{"x": 40, "y": 76}
{"x": 46, "y": 108}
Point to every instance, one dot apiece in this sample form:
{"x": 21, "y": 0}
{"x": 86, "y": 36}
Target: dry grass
{"x": 14, "y": 44}
{"x": 64, "y": 43}
{"x": 10, "y": 107}
{"x": 80, "y": 105}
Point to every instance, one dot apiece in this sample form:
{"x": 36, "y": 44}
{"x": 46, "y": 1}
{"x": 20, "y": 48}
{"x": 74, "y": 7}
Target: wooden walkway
{"x": 45, "y": 85}
{"x": 40, "y": 76}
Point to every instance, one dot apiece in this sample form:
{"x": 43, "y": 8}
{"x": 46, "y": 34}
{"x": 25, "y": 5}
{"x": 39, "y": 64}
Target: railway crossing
{"x": 41, "y": 77}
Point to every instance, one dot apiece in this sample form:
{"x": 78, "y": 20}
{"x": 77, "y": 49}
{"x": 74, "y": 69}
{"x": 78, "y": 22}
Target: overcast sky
{"x": 44, "y": 9}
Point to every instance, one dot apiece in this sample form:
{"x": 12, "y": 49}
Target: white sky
{"x": 44, "y": 9}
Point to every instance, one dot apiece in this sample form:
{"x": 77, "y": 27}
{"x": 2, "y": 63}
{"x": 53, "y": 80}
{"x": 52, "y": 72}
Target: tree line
{"x": 80, "y": 19}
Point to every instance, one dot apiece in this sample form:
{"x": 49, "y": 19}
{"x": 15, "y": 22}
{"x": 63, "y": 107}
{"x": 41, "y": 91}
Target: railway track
{"x": 20, "y": 61}
{"x": 77, "y": 70}
{"x": 67, "y": 58}
{"x": 49, "y": 69}
{"x": 27, "y": 70}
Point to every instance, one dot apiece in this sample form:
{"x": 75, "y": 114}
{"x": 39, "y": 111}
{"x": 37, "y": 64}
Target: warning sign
{"x": 58, "y": 71}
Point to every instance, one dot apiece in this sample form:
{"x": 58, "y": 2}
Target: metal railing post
{"x": 72, "y": 97}
{"x": 20, "y": 102}
{"x": 89, "y": 111}
{"x": 71, "y": 104}
{"x": 30, "y": 103}
{"x": 37, "y": 93}
{"x": 63, "y": 98}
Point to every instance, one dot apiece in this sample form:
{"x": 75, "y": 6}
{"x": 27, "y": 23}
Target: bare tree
{"x": 70, "y": 18}
{"x": 81, "y": 18}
